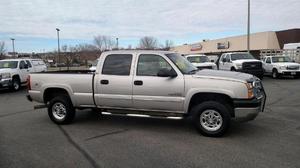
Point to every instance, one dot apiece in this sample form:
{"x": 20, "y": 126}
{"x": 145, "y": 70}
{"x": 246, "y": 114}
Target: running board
{"x": 144, "y": 116}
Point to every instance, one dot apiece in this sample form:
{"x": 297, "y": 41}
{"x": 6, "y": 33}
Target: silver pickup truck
{"x": 151, "y": 83}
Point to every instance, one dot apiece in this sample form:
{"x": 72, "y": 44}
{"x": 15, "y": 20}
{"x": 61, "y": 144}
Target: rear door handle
{"x": 104, "y": 82}
{"x": 138, "y": 82}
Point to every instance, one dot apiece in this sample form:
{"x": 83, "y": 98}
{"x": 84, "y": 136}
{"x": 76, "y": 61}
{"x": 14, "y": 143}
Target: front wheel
{"x": 61, "y": 110}
{"x": 211, "y": 118}
{"x": 16, "y": 84}
{"x": 275, "y": 74}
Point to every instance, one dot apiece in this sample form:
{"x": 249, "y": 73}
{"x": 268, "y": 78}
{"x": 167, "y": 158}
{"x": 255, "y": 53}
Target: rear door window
{"x": 28, "y": 63}
{"x": 117, "y": 64}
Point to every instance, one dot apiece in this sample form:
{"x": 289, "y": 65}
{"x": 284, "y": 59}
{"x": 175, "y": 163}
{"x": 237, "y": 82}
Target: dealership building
{"x": 259, "y": 42}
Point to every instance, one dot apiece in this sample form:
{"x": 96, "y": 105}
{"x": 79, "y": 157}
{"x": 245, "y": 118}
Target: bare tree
{"x": 104, "y": 42}
{"x": 168, "y": 45}
{"x": 2, "y": 49}
{"x": 148, "y": 43}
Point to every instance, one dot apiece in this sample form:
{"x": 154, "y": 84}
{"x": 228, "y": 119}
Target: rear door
{"x": 151, "y": 92}
{"x": 30, "y": 68}
{"x": 114, "y": 82}
{"x": 23, "y": 71}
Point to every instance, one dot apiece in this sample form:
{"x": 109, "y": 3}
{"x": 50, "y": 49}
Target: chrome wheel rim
{"x": 211, "y": 120}
{"x": 274, "y": 74}
{"x": 59, "y": 111}
{"x": 16, "y": 85}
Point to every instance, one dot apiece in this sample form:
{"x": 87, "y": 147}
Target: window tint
{"x": 28, "y": 63}
{"x": 22, "y": 65}
{"x": 117, "y": 64}
{"x": 227, "y": 58}
{"x": 149, "y": 65}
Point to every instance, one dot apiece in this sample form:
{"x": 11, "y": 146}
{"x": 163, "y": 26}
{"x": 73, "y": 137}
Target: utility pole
{"x": 13, "y": 45}
{"x": 117, "y": 43}
{"x": 58, "y": 48}
{"x": 248, "y": 28}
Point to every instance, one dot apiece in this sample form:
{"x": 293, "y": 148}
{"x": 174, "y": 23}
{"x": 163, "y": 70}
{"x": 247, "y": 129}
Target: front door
{"x": 151, "y": 92}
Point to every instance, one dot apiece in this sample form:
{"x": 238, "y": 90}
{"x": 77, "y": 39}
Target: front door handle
{"x": 138, "y": 82}
{"x": 104, "y": 82}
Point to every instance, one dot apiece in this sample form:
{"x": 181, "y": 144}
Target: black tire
{"x": 201, "y": 110}
{"x": 232, "y": 69}
{"x": 15, "y": 84}
{"x": 66, "y": 113}
{"x": 275, "y": 74}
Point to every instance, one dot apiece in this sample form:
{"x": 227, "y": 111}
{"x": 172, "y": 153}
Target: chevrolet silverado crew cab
{"x": 14, "y": 72}
{"x": 151, "y": 83}
{"x": 280, "y": 65}
{"x": 241, "y": 62}
{"x": 201, "y": 61}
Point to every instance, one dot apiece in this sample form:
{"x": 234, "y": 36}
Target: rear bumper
{"x": 5, "y": 83}
{"x": 247, "y": 110}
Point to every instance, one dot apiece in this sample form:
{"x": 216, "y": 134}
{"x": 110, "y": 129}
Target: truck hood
{"x": 204, "y": 64}
{"x": 245, "y": 60}
{"x": 224, "y": 75}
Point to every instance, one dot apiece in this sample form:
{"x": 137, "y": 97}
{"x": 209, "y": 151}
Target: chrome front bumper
{"x": 247, "y": 110}
{"x": 4, "y": 83}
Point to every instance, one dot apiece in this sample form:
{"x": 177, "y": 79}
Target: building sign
{"x": 224, "y": 45}
{"x": 196, "y": 47}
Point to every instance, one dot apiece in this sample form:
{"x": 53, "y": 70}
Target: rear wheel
{"x": 61, "y": 110}
{"x": 211, "y": 118}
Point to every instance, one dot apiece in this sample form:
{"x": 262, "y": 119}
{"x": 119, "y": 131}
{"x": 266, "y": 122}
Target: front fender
{"x": 194, "y": 91}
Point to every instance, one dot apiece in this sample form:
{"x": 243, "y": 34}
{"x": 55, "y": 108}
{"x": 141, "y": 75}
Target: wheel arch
{"x": 200, "y": 97}
{"x": 50, "y": 93}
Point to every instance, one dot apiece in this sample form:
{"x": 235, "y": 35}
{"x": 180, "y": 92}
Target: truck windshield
{"x": 8, "y": 64}
{"x": 239, "y": 56}
{"x": 281, "y": 59}
{"x": 182, "y": 64}
{"x": 198, "y": 59}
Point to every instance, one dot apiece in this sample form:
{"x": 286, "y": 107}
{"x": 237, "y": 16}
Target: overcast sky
{"x": 32, "y": 22}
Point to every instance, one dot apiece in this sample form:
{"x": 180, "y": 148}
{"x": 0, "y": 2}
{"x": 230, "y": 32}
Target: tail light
{"x": 28, "y": 83}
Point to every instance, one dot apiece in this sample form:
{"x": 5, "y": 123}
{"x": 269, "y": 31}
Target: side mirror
{"x": 166, "y": 73}
{"x": 293, "y": 61}
{"x": 224, "y": 60}
{"x": 213, "y": 61}
{"x": 26, "y": 66}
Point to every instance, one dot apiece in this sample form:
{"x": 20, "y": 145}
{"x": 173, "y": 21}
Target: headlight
{"x": 5, "y": 75}
{"x": 250, "y": 90}
{"x": 282, "y": 67}
{"x": 239, "y": 66}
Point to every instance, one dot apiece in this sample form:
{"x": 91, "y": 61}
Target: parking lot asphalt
{"x": 29, "y": 139}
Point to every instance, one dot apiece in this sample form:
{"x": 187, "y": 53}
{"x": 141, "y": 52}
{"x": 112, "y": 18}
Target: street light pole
{"x": 58, "y": 47}
{"x": 117, "y": 43}
{"x": 13, "y": 45}
{"x": 248, "y": 28}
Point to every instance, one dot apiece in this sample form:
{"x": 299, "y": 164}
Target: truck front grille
{"x": 292, "y": 67}
{"x": 252, "y": 65}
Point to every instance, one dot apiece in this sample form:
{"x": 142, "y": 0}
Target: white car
{"x": 280, "y": 65}
{"x": 201, "y": 61}
{"x": 241, "y": 62}
{"x": 14, "y": 72}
